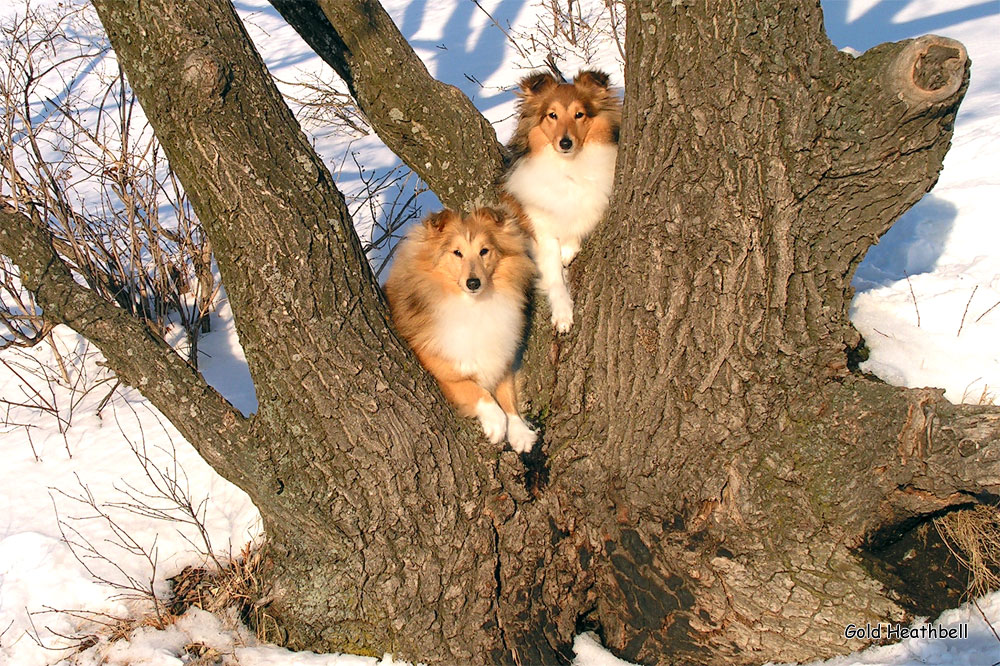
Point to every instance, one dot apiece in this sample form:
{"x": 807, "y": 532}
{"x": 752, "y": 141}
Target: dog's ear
{"x": 504, "y": 215}
{"x": 491, "y": 215}
{"x": 537, "y": 83}
{"x": 439, "y": 220}
{"x": 592, "y": 78}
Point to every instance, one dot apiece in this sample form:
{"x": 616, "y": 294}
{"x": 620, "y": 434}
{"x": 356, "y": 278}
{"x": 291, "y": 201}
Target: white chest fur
{"x": 479, "y": 334}
{"x": 565, "y": 197}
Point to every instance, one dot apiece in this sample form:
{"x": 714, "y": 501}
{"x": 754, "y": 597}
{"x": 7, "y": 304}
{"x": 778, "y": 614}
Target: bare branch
{"x": 138, "y": 357}
{"x": 310, "y": 315}
{"x": 262, "y": 214}
{"x": 136, "y": 243}
{"x": 431, "y": 126}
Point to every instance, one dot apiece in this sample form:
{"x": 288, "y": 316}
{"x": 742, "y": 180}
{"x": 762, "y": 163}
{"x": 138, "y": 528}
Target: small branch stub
{"x": 929, "y": 70}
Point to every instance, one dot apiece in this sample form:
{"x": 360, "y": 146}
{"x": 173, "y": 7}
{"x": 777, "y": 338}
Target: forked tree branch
{"x": 309, "y": 313}
{"x": 136, "y": 355}
{"x": 431, "y": 126}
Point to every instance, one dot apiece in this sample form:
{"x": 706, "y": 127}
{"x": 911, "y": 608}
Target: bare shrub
{"x": 21, "y": 322}
{"x": 86, "y": 165}
{"x": 322, "y": 103}
{"x": 108, "y": 554}
{"x": 42, "y": 390}
{"x": 570, "y": 30}
{"x": 220, "y": 582}
{"x": 388, "y": 200}
{"x": 168, "y": 497}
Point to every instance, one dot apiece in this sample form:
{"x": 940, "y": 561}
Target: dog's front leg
{"x": 471, "y": 399}
{"x": 519, "y": 434}
{"x": 548, "y": 256}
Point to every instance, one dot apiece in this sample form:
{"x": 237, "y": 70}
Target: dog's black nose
{"x": 565, "y": 143}
{"x": 473, "y": 283}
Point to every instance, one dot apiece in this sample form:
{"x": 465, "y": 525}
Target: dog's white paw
{"x": 493, "y": 420}
{"x": 569, "y": 252}
{"x": 520, "y": 436}
{"x": 562, "y": 310}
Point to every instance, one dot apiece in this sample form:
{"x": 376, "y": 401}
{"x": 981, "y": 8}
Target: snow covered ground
{"x": 927, "y": 304}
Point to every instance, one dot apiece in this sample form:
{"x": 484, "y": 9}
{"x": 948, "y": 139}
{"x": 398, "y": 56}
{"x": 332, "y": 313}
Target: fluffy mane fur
{"x": 416, "y": 283}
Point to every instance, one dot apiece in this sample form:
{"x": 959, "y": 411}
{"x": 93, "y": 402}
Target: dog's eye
{"x": 457, "y": 253}
{"x": 579, "y": 114}
{"x": 485, "y": 251}
{"x": 553, "y": 116}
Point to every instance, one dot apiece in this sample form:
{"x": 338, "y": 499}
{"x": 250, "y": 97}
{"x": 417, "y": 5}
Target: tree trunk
{"x": 712, "y": 468}
{"x": 373, "y": 495}
{"x": 715, "y": 468}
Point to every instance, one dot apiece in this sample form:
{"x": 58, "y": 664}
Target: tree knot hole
{"x": 856, "y": 355}
{"x": 936, "y": 67}
{"x": 588, "y": 620}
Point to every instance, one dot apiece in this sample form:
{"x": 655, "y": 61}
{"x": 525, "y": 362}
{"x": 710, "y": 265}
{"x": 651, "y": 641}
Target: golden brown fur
{"x": 466, "y": 337}
{"x": 542, "y": 95}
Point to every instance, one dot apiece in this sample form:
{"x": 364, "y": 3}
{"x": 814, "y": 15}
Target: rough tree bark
{"x": 713, "y": 464}
{"x": 365, "y": 479}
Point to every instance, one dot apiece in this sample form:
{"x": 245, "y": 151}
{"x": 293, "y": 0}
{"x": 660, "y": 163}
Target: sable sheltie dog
{"x": 564, "y": 151}
{"x": 457, "y": 291}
